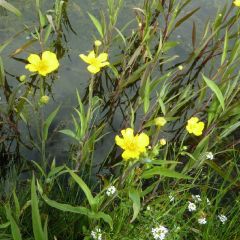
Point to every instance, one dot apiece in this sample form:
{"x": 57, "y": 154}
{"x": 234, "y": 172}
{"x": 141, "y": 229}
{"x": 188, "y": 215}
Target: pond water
{"x": 72, "y": 74}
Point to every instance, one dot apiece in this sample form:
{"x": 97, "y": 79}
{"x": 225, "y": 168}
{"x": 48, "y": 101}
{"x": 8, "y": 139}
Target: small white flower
{"x": 222, "y": 218}
{"x": 191, "y": 207}
{"x": 196, "y": 198}
{"x": 148, "y": 208}
{"x": 111, "y": 190}
{"x": 96, "y": 234}
{"x": 208, "y": 202}
{"x": 171, "y": 198}
{"x": 159, "y": 233}
{"x": 202, "y": 220}
{"x": 209, "y": 155}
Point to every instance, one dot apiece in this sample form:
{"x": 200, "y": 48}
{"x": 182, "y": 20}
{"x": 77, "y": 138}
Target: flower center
{"x": 131, "y": 145}
{"x": 42, "y": 67}
{"x": 94, "y": 61}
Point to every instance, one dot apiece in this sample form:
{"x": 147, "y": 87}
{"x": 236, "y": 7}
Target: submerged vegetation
{"x": 169, "y": 126}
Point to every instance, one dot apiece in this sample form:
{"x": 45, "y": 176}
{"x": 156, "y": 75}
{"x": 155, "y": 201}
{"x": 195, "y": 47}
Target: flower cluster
{"x": 194, "y": 126}
{"x": 196, "y": 198}
{"x": 192, "y": 207}
{"x": 202, "y": 220}
{"x": 159, "y": 233}
{"x": 209, "y": 155}
{"x": 111, "y": 190}
{"x": 97, "y": 234}
{"x": 132, "y": 145}
{"x": 222, "y": 218}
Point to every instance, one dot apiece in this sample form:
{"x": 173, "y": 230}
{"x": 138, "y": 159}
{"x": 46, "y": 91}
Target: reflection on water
{"x": 78, "y": 35}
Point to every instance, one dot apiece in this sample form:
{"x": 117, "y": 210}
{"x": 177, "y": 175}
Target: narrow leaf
{"x": 213, "y": 86}
{"x": 10, "y": 7}
{"x": 97, "y": 24}
{"x": 164, "y": 172}
{"x": 14, "y": 227}
{"x": 48, "y": 122}
{"x": 135, "y": 197}
{"x": 79, "y": 210}
{"x": 36, "y": 219}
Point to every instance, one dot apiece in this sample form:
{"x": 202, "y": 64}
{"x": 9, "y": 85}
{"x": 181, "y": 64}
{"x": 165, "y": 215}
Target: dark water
{"x": 72, "y": 74}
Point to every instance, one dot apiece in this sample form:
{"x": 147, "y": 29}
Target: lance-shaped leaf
{"x": 213, "y": 86}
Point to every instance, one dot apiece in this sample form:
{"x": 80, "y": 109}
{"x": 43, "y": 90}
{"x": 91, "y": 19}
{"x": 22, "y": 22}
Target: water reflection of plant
{"x": 163, "y": 187}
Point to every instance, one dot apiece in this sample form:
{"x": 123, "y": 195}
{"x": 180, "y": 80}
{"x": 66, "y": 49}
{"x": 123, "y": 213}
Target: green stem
{"x": 43, "y": 143}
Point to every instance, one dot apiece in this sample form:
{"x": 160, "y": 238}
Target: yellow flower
{"x": 95, "y": 62}
{"x": 195, "y": 126}
{"x": 97, "y": 43}
{"x": 132, "y": 145}
{"x": 47, "y": 64}
{"x": 160, "y": 121}
{"x": 237, "y": 3}
{"x": 162, "y": 141}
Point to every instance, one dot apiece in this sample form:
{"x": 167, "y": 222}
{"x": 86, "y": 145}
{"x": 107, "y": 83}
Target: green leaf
{"x": 97, "y": 24}
{"x": 163, "y": 172}
{"x": 83, "y": 186}
{"x": 2, "y": 73}
{"x": 168, "y": 45}
{"x": 14, "y": 227}
{"x": 146, "y": 96}
{"x": 135, "y": 197}
{"x": 4, "y": 225}
{"x": 225, "y": 48}
{"x": 10, "y": 7}
{"x": 48, "y": 122}
{"x": 80, "y": 210}
{"x": 69, "y": 133}
{"x": 17, "y": 205}
{"x": 213, "y": 86}
{"x": 36, "y": 219}
{"x": 230, "y": 129}
{"x": 183, "y": 19}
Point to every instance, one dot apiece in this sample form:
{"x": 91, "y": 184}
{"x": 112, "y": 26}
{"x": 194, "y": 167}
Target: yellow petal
{"x": 189, "y": 128}
{"x": 31, "y": 67}
{"x": 120, "y": 142}
{"x": 34, "y": 59}
{"x": 237, "y": 3}
{"x": 193, "y": 120}
{"x": 143, "y": 140}
{"x": 84, "y": 58}
{"x": 103, "y": 64}
{"x": 47, "y": 55}
{"x": 91, "y": 55}
{"x": 50, "y": 60}
{"x": 127, "y": 133}
{"x": 103, "y": 57}
{"x": 93, "y": 69}
{"x": 43, "y": 72}
{"x": 126, "y": 155}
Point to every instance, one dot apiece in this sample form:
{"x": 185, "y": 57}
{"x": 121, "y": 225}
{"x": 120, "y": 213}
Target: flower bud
{"x": 163, "y": 141}
{"x": 97, "y": 43}
{"x": 44, "y": 99}
{"x": 22, "y": 78}
{"x": 160, "y": 121}
{"x": 180, "y": 67}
